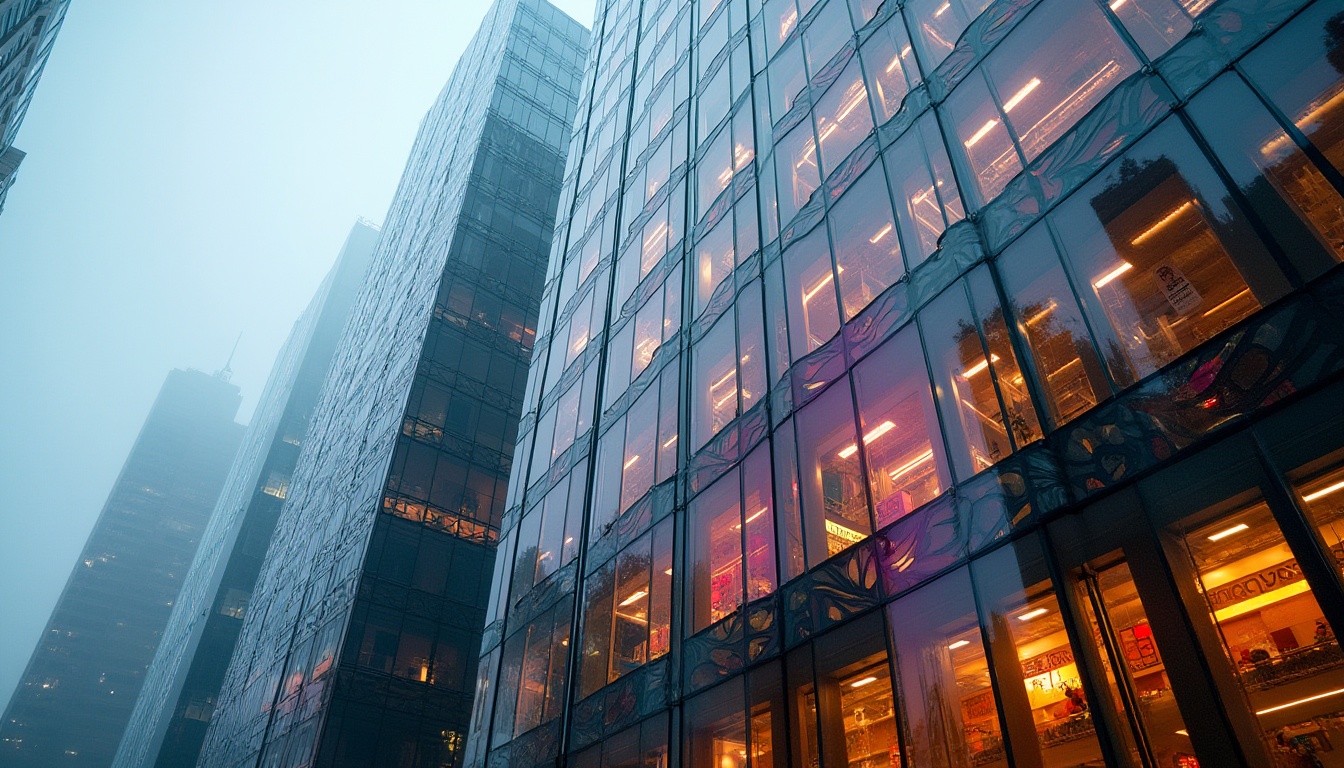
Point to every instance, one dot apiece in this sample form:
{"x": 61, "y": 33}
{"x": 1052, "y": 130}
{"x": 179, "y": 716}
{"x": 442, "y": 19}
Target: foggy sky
{"x": 193, "y": 168}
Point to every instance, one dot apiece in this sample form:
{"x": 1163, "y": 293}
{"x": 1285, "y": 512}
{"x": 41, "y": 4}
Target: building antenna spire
{"x": 226, "y": 373}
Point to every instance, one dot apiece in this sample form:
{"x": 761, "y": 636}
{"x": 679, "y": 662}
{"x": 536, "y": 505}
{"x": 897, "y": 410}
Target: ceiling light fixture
{"x": 1032, "y": 614}
{"x": 958, "y": 644}
{"x": 863, "y": 682}
{"x": 1102, "y": 281}
{"x": 1223, "y": 534}
{"x": 873, "y": 434}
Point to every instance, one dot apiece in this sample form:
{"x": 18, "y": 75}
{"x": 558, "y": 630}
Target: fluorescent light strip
{"x": 1326, "y": 491}
{"x": 880, "y": 234}
{"x": 941, "y": 10}
{"x": 635, "y": 598}
{"x": 980, "y": 134}
{"x": 1317, "y": 697}
{"x": 1105, "y": 279}
{"x": 1225, "y": 303}
{"x": 632, "y": 460}
{"x": 1032, "y": 614}
{"x": 757, "y": 513}
{"x": 905, "y": 469}
{"x": 670, "y": 441}
{"x": 958, "y": 644}
{"x": 1026, "y": 90}
{"x": 1162, "y": 222}
{"x": 980, "y": 366}
{"x": 1223, "y": 534}
{"x": 873, "y": 434}
{"x": 815, "y": 289}
{"x": 863, "y": 682}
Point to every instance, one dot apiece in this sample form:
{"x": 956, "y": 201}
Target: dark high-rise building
{"x": 938, "y": 384}
{"x": 77, "y": 692}
{"x": 27, "y": 32}
{"x": 181, "y": 685}
{"x": 360, "y": 642}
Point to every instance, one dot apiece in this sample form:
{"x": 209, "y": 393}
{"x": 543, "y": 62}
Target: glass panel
{"x": 1155, "y": 24}
{"x": 792, "y": 562}
{"x": 976, "y": 433}
{"x": 796, "y": 166}
{"x": 751, "y": 346}
{"x": 660, "y": 601}
{"x": 1054, "y": 67}
{"x": 714, "y": 170}
{"x": 630, "y": 615}
{"x": 759, "y": 522}
{"x": 714, "y": 259}
{"x": 597, "y": 615}
{"x": 1323, "y": 496}
{"x": 906, "y": 464}
{"x": 835, "y": 508}
{"x": 1034, "y": 662}
{"x": 715, "y": 552}
{"x": 854, "y": 693}
{"x": 951, "y": 713}
{"x": 1003, "y": 360}
{"x": 1107, "y": 590}
{"x": 938, "y": 25}
{"x": 1287, "y": 661}
{"x": 715, "y": 383}
{"x": 826, "y": 34}
{"x": 867, "y": 248}
{"x": 1156, "y": 241}
{"x": 781, "y": 17}
{"x": 765, "y": 689}
{"x": 918, "y": 206}
{"x": 890, "y": 63}
{"x": 640, "y": 441}
{"x": 1301, "y": 68}
{"x": 716, "y": 728}
{"x": 667, "y": 421}
{"x": 787, "y": 80}
{"x": 1296, "y": 202}
{"x": 1048, "y": 317}
{"x": 813, "y": 308}
{"x": 982, "y": 137}
{"x": 843, "y": 119}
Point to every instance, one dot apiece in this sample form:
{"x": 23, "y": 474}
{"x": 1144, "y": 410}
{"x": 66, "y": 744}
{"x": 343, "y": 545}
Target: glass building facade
{"x": 937, "y": 383}
{"x": 360, "y": 641}
{"x": 80, "y": 685}
{"x": 27, "y": 33}
{"x": 177, "y": 700}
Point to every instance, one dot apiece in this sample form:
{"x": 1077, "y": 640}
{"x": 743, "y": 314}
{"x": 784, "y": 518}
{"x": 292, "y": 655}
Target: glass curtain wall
{"x": 836, "y": 281}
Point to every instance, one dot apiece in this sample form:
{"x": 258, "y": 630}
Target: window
{"x": 1295, "y": 201}
{"x": 716, "y": 728}
{"x": 714, "y": 261}
{"x": 951, "y": 711}
{"x": 715, "y": 553}
{"x": 541, "y": 687}
{"x": 907, "y": 466}
{"x": 796, "y": 167}
{"x": 787, "y": 80}
{"x": 826, "y": 34}
{"x": 938, "y": 25}
{"x": 715, "y": 381}
{"x": 976, "y": 432}
{"x": 1048, "y": 318}
{"x": 812, "y": 305}
{"x": 927, "y": 199}
{"x": 834, "y": 505}
{"x": 843, "y": 119}
{"x": 1160, "y": 253}
{"x": 627, "y": 610}
{"x": 867, "y": 247}
{"x": 1003, "y": 363}
{"x": 852, "y": 698}
{"x": 892, "y": 71}
{"x": 234, "y": 604}
{"x": 1156, "y": 25}
{"x": 1300, "y": 69}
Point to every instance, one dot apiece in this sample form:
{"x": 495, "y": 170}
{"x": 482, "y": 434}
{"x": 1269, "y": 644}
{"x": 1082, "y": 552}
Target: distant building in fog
{"x": 27, "y": 31}
{"x": 178, "y": 698}
{"x": 76, "y": 694}
{"x": 359, "y": 644}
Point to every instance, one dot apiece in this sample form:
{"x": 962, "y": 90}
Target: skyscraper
{"x": 935, "y": 383}
{"x": 77, "y": 692}
{"x": 27, "y": 32}
{"x": 181, "y": 685}
{"x": 361, "y": 637}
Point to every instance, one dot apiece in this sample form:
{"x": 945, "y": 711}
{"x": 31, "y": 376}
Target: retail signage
{"x": 1262, "y": 581}
{"x": 1179, "y": 292}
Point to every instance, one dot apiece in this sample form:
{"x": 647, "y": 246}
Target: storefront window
{"x": 835, "y": 507}
{"x": 1301, "y": 69}
{"x": 814, "y": 314}
{"x": 890, "y": 63}
{"x": 843, "y": 119}
{"x": 1048, "y": 316}
{"x": 938, "y": 25}
{"x": 1323, "y": 496}
{"x": 1038, "y": 679}
{"x": 1295, "y": 201}
{"x": 1163, "y": 255}
{"x": 867, "y": 246}
{"x": 1285, "y": 654}
{"x": 716, "y": 728}
{"x": 976, "y": 433}
{"x": 950, "y": 710}
{"x": 853, "y": 697}
{"x": 901, "y": 440}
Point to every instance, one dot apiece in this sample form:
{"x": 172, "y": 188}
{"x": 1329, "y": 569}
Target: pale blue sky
{"x": 193, "y": 168}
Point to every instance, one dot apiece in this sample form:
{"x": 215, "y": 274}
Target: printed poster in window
{"x": 1181, "y": 295}
{"x": 1140, "y": 651}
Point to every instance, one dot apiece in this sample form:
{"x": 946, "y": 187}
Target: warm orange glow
{"x": 1326, "y": 491}
{"x": 980, "y": 134}
{"x": 1105, "y": 279}
{"x": 1032, "y": 614}
{"x": 1162, "y": 222}
{"x": 635, "y": 598}
{"x": 1223, "y": 534}
{"x": 873, "y": 434}
{"x": 1026, "y": 90}
{"x": 912, "y": 465}
{"x": 980, "y": 366}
